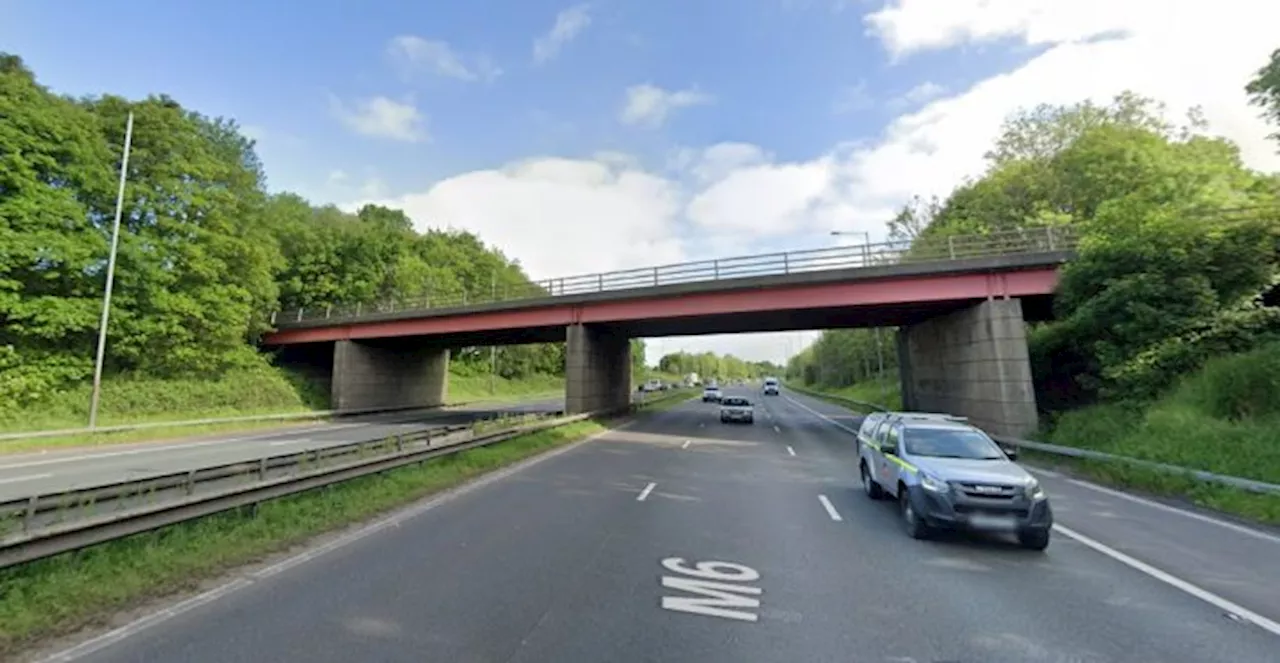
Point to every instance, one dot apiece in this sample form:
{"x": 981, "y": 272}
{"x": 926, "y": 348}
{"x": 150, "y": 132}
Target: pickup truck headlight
{"x": 1033, "y": 490}
{"x": 933, "y": 484}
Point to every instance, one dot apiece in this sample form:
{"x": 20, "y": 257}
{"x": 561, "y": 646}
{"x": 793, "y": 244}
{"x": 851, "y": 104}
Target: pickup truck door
{"x": 886, "y": 471}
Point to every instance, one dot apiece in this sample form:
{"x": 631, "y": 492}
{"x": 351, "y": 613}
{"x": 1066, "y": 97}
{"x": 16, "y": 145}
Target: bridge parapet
{"x": 1047, "y": 240}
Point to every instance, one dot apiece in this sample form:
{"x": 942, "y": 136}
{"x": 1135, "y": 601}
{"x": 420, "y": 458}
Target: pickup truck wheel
{"x": 869, "y": 485}
{"x": 916, "y": 527}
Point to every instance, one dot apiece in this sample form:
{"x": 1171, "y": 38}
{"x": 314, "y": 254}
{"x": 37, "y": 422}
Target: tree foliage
{"x": 711, "y": 365}
{"x": 205, "y": 252}
{"x": 1178, "y": 248}
{"x": 1264, "y": 91}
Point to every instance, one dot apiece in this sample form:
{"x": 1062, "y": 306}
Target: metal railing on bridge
{"x": 1046, "y": 239}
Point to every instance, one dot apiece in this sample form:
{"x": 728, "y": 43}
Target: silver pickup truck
{"x": 945, "y": 473}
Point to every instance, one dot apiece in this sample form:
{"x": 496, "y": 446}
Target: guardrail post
{"x": 1048, "y": 231}
{"x": 786, "y": 263}
{"x": 273, "y": 318}
{"x": 191, "y": 482}
{"x": 951, "y": 247}
{"x": 600, "y": 283}
{"x": 300, "y": 314}
{"x": 655, "y": 276}
{"x": 327, "y": 310}
{"x": 262, "y": 469}
{"x": 357, "y": 309}
{"x": 399, "y": 443}
{"x": 30, "y": 513}
{"x": 715, "y": 269}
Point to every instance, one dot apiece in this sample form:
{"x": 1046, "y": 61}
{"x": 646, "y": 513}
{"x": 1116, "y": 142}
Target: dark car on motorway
{"x": 947, "y": 474}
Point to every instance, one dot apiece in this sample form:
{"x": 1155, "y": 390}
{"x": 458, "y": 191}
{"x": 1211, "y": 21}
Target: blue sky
{"x": 777, "y": 68}
{"x": 754, "y": 125}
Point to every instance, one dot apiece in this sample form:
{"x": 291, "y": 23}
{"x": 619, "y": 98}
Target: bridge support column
{"x": 377, "y": 376}
{"x": 972, "y": 363}
{"x": 597, "y": 369}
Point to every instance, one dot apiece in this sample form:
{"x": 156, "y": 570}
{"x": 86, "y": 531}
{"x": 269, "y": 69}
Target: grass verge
{"x": 61, "y": 594}
{"x": 884, "y": 393}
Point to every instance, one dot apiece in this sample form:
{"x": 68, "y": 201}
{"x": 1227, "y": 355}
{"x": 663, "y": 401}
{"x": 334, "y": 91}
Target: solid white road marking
{"x": 645, "y": 493}
{"x": 281, "y": 443}
{"x": 1176, "y": 582}
{"x": 820, "y": 415}
{"x": 790, "y": 450}
{"x": 712, "y": 580}
{"x": 29, "y": 477}
{"x": 831, "y": 510}
{"x": 686, "y": 444}
{"x": 1240, "y": 529}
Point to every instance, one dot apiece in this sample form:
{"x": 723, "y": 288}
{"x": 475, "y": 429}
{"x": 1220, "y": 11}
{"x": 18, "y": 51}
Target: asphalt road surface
{"x": 683, "y": 539}
{"x": 26, "y": 474}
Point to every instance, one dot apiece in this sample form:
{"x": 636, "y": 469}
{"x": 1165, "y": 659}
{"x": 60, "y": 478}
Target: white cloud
{"x": 908, "y": 26}
{"x": 558, "y": 217}
{"x": 569, "y": 23}
{"x": 337, "y": 176}
{"x": 649, "y": 106}
{"x": 381, "y": 117}
{"x": 919, "y": 94}
{"x": 412, "y": 54}
{"x": 853, "y": 99}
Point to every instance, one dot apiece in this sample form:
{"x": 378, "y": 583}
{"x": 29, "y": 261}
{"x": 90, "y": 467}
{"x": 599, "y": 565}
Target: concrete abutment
{"x": 367, "y": 376}
{"x": 973, "y": 363}
{"x": 597, "y": 369}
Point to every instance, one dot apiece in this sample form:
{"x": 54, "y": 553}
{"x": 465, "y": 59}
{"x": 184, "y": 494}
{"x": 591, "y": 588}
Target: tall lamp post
{"x": 111, "y": 275}
{"x": 866, "y": 248}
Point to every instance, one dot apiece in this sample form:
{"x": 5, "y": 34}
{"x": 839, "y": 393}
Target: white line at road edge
{"x": 27, "y": 477}
{"x": 133, "y": 628}
{"x": 821, "y": 415}
{"x": 831, "y": 510}
{"x": 686, "y": 444}
{"x": 1239, "y": 529}
{"x": 790, "y": 450}
{"x": 1178, "y": 583}
{"x": 645, "y": 493}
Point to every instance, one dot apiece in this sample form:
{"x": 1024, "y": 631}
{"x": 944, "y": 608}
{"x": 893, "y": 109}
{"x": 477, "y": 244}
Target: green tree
{"x": 1264, "y": 91}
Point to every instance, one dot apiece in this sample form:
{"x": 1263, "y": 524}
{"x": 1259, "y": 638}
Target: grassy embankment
{"x": 886, "y": 393}
{"x": 1224, "y": 419}
{"x": 62, "y": 594}
{"x": 252, "y": 392}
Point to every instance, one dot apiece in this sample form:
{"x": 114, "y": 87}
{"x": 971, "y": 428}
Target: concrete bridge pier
{"x": 368, "y": 375}
{"x": 597, "y": 369}
{"x": 973, "y": 363}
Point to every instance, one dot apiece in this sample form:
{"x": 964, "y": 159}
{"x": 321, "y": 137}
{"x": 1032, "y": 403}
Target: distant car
{"x": 653, "y": 385}
{"x": 947, "y": 474}
{"x": 711, "y": 394}
{"x": 734, "y": 408}
{"x": 771, "y": 386}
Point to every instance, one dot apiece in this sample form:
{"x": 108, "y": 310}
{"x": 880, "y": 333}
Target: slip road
{"x": 681, "y": 539}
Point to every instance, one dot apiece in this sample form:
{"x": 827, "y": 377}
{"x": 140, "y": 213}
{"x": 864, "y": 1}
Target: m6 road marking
{"x": 720, "y": 587}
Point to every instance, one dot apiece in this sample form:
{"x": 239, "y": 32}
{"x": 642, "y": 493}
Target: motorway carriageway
{"x": 31, "y": 473}
{"x": 677, "y": 538}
